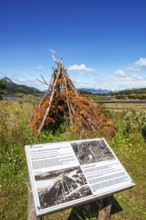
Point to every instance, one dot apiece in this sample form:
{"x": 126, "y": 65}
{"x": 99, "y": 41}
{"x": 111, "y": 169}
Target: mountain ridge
{"x": 95, "y": 91}
{"x": 12, "y": 88}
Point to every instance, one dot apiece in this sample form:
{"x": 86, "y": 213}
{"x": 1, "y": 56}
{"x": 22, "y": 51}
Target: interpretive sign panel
{"x": 65, "y": 174}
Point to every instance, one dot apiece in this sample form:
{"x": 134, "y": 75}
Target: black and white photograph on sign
{"x": 57, "y": 187}
{"x": 92, "y": 152}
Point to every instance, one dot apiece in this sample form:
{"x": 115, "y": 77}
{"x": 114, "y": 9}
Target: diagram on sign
{"x": 61, "y": 186}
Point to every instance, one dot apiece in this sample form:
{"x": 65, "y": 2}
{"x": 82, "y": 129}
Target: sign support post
{"x": 105, "y": 206}
{"x": 30, "y": 204}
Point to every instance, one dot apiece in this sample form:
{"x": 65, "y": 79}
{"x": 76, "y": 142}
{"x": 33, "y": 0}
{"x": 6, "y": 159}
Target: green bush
{"x": 135, "y": 121}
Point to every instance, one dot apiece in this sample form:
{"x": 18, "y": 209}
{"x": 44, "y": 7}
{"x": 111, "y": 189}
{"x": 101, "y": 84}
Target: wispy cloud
{"x": 19, "y": 79}
{"x": 85, "y": 84}
{"x": 129, "y": 82}
{"x": 118, "y": 82}
{"x": 132, "y": 76}
{"x": 139, "y": 65}
{"x": 52, "y": 51}
{"x": 120, "y": 72}
{"x": 80, "y": 68}
{"x": 38, "y": 68}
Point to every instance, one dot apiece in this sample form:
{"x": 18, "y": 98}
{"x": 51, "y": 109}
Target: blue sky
{"x": 102, "y": 42}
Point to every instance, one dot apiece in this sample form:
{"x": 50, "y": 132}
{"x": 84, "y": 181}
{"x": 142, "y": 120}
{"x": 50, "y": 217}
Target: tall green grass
{"x": 129, "y": 145}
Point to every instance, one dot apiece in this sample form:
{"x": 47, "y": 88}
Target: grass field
{"x": 124, "y": 106}
{"x": 129, "y": 144}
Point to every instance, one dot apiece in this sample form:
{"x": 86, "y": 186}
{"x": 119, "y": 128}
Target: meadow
{"x": 129, "y": 144}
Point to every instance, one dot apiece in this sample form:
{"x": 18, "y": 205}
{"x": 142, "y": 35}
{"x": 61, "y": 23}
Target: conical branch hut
{"x": 63, "y": 103}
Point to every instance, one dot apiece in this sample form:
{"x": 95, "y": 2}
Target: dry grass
{"x": 128, "y": 144}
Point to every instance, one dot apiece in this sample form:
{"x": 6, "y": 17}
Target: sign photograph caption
{"x": 66, "y": 174}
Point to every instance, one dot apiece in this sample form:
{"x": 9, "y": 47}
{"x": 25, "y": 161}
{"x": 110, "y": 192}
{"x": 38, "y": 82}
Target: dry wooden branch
{"x": 43, "y": 99}
{"x": 53, "y": 58}
{"x": 71, "y": 84}
{"x": 44, "y": 80}
{"x": 68, "y": 105}
{"x": 50, "y": 102}
{"x": 72, "y": 109}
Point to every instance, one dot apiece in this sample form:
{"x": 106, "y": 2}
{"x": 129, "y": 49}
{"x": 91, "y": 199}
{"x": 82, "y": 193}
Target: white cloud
{"x": 128, "y": 82}
{"x": 19, "y": 80}
{"x": 139, "y": 65}
{"x": 120, "y": 72}
{"x": 29, "y": 82}
{"x": 117, "y": 83}
{"x": 79, "y": 68}
{"x": 141, "y": 62}
{"x": 38, "y": 68}
{"x": 52, "y": 51}
{"x": 84, "y": 84}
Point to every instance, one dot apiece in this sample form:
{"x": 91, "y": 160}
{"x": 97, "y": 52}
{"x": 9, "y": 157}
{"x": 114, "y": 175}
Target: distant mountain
{"x": 7, "y": 81}
{"x": 13, "y": 88}
{"x": 95, "y": 91}
{"x": 139, "y": 94}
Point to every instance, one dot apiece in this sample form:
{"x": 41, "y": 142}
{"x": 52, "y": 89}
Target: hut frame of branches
{"x": 62, "y": 102}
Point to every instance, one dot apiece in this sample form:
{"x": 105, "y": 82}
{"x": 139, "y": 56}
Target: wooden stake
{"x": 50, "y": 102}
{"x": 43, "y": 99}
{"x": 105, "y": 205}
{"x": 39, "y": 105}
{"x": 68, "y": 105}
{"x": 71, "y": 84}
{"x": 44, "y": 80}
{"x": 73, "y": 111}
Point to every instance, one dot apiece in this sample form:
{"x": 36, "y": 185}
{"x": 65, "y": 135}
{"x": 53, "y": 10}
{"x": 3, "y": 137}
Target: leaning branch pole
{"x": 68, "y": 105}
{"x": 50, "y": 102}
